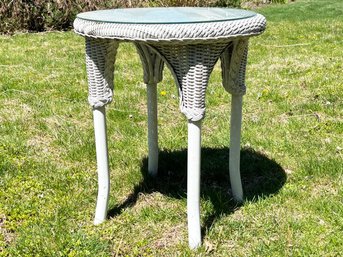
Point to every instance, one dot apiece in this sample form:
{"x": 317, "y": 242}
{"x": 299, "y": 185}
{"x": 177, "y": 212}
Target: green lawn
{"x": 292, "y": 157}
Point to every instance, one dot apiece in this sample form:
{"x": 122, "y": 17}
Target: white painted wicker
{"x": 182, "y": 33}
{"x": 190, "y": 50}
{"x": 201, "y": 44}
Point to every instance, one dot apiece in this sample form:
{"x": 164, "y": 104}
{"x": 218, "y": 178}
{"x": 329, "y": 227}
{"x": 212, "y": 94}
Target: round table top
{"x": 169, "y": 15}
{"x": 173, "y": 25}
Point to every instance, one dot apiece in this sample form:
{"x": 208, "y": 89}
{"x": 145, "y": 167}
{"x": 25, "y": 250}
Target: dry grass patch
{"x": 171, "y": 236}
{"x": 14, "y": 110}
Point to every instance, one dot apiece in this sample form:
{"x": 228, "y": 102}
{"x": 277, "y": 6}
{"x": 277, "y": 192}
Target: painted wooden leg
{"x": 152, "y": 129}
{"x": 99, "y": 116}
{"x": 191, "y": 73}
{"x": 153, "y": 73}
{"x": 193, "y": 183}
{"x": 235, "y": 138}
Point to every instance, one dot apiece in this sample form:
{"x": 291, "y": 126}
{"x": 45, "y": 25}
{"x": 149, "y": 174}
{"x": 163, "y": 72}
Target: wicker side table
{"x": 189, "y": 41}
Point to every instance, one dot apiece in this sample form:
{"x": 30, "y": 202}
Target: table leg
{"x": 235, "y": 137}
{"x": 193, "y": 183}
{"x": 233, "y": 61}
{"x": 99, "y": 116}
{"x": 153, "y": 73}
{"x": 100, "y": 58}
{"x": 191, "y": 66}
{"x": 152, "y": 129}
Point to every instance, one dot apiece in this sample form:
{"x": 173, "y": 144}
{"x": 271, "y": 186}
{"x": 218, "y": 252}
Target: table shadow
{"x": 261, "y": 177}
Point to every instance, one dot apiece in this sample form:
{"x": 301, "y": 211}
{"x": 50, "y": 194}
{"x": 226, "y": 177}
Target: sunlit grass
{"x": 291, "y": 149}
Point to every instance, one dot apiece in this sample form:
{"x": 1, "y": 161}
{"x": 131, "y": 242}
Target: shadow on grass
{"x": 261, "y": 177}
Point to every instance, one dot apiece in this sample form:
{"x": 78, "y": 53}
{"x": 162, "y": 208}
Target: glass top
{"x": 166, "y": 15}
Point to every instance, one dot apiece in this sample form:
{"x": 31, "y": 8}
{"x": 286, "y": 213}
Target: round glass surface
{"x": 169, "y": 15}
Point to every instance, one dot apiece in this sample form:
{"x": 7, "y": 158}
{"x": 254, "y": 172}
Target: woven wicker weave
{"x": 189, "y": 50}
{"x": 183, "y": 33}
{"x": 100, "y": 57}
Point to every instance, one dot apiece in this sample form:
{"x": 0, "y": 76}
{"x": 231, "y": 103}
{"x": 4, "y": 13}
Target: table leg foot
{"x": 99, "y": 116}
{"x": 235, "y": 137}
{"x": 152, "y": 129}
{"x": 193, "y": 183}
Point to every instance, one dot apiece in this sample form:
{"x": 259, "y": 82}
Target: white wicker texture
{"x": 233, "y": 62}
{"x": 152, "y": 64}
{"x": 190, "y": 51}
{"x": 191, "y": 66}
{"x": 100, "y": 58}
{"x": 175, "y": 33}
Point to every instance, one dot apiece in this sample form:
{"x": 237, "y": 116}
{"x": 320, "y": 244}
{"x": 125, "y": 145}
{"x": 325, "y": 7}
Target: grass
{"x": 291, "y": 149}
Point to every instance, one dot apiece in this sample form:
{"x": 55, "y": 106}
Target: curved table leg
{"x": 99, "y": 116}
{"x": 193, "y": 183}
{"x": 235, "y": 149}
{"x": 233, "y": 61}
{"x": 100, "y": 58}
